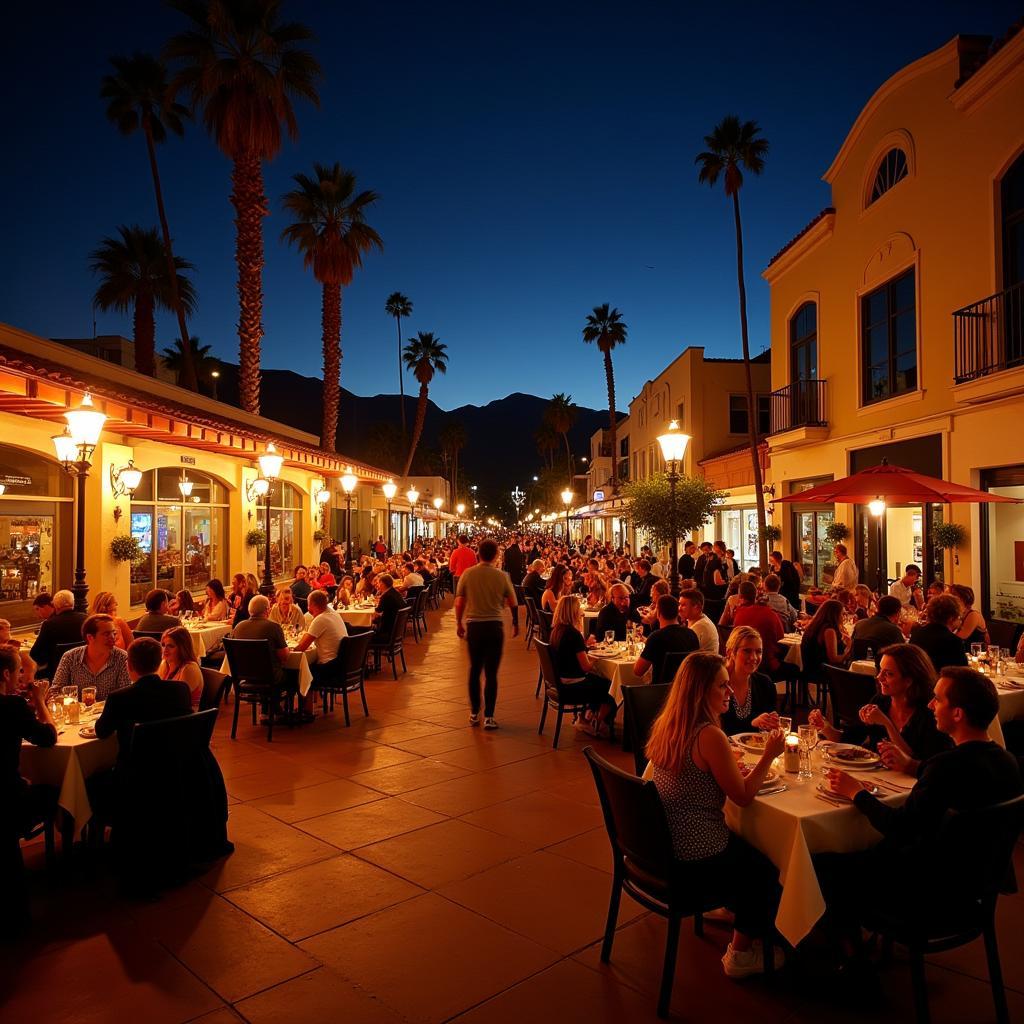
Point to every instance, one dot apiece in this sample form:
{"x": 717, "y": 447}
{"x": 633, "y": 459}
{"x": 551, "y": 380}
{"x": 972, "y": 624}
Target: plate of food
{"x": 827, "y": 790}
{"x": 752, "y": 742}
{"x": 771, "y": 779}
{"x": 87, "y": 732}
{"x": 849, "y": 756}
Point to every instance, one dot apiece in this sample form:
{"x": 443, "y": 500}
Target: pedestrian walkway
{"x": 411, "y": 868}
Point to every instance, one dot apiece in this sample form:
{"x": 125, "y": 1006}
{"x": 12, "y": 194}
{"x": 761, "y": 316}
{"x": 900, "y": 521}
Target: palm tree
{"x": 606, "y": 327}
{"x": 732, "y": 149}
{"x": 398, "y": 305}
{"x": 198, "y": 357}
{"x": 547, "y": 441}
{"x": 425, "y": 355}
{"x": 133, "y": 271}
{"x": 331, "y": 232}
{"x": 561, "y": 414}
{"x": 243, "y": 68}
{"x": 452, "y": 440}
{"x": 138, "y": 97}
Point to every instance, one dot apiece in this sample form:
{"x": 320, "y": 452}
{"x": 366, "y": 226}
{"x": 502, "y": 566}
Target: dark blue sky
{"x": 533, "y": 160}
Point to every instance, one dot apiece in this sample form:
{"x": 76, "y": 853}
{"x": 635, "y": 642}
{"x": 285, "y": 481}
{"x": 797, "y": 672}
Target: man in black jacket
{"x": 879, "y": 630}
{"x": 688, "y": 561}
{"x": 533, "y": 582}
{"x": 936, "y": 637}
{"x": 389, "y": 604}
{"x": 64, "y": 626}
{"x": 616, "y": 616}
{"x": 513, "y": 561}
{"x": 789, "y": 578}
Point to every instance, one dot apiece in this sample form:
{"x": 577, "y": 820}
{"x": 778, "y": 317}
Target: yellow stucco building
{"x": 897, "y": 324}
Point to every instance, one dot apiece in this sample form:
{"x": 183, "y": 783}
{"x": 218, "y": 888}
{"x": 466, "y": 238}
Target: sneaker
{"x": 750, "y": 961}
{"x": 490, "y": 723}
{"x": 474, "y": 719}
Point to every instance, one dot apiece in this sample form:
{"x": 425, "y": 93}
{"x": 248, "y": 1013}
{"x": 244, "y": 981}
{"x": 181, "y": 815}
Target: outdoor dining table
{"x": 791, "y": 643}
{"x": 358, "y": 615}
{"x": 206, "y": 636}
{"x": 67, "y": 765}
{"x": 618, "y": 667}
{"x": 299, "y": 661}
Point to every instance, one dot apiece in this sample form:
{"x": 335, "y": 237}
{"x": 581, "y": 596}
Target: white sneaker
{"x": 490, "y": 723}
{"x": 474, "y": 719}
{"x": 737, "y": 964}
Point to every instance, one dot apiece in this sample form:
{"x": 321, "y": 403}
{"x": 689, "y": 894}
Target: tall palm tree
{"x": 198, "y": 357}
{"x": 732, "y": 148}
{"x": 561, "y": 413}
{"x": 547, "y": 441}
{"x": 398, "y": 306}
{"x": 243, "y": 67}
{"x": 607, "y": 329}
{"x": 452, "y": 440}
{"x": 138, "y": 97}
{"x": 331, "y": 232}
{"x": 133, "y": 272}
{"x": 425, "y": 355}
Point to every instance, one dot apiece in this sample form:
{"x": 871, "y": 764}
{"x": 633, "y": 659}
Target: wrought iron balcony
{"x": 989, "y": 335}
{"x": 800, "y": 404}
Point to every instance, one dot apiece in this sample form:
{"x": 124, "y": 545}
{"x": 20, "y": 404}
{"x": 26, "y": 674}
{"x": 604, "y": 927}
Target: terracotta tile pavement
{"x": 410, "y": 868}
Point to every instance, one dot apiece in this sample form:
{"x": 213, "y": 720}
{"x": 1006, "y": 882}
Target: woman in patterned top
{"x": 694, "y": 770}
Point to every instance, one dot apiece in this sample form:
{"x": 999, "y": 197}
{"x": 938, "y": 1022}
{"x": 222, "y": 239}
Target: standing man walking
{"x": 483, "y": 593}
{"x": 461, "y": 559}
{"x": 513, "y": 561}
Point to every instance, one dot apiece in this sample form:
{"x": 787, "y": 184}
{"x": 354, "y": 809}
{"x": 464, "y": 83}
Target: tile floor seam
{"x": 935, "y": 965}
{"x": 262, "y": 878}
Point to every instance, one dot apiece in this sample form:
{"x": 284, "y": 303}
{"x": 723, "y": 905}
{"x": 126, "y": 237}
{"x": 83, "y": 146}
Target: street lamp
{"x": 877, "y": 508}
{"x": 270, "y": 463}
{"x": 567, "y": 501}
{"x": 322, "y": 496}
{"x": 348, "y": 484}
{"x": 673, "y": 448}
{"x": 438, "y": 502}
{"x": 215, "y": 377}
{"x": 75, "y": 448}
{"x": 390, "y": 489}
{"x": 413, "y": 496}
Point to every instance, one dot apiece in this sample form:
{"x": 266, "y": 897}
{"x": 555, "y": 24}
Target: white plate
{"x": 829, "y": 792}
{"x": 743, "y": 739}
{"x": 87, "y": 732}
{"x": 836, "y": 754}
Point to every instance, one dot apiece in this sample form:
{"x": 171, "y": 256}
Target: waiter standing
{"x": 513, "y": 561}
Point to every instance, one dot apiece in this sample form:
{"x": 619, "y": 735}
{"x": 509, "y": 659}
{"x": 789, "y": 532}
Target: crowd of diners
{"x": 928, "y": 719}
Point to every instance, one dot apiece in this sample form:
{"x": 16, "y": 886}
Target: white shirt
{"x": 846, "y": 575}
{"x": 414, "y": 579}
{"x": 660, "y": 570}
{"x": 327, "y": 630}
{"x": 707, "y": 634}
{"x": 903, "y": 592}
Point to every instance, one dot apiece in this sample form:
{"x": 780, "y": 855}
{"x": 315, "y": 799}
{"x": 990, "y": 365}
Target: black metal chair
{"x": 215, "y": 685}
{"x": 252, "y": 669}
{"x": 418, "y": 612}
{"x": 849, "y": 691}
{"x": 713, "y": 609}
{"x": 346, "y": 673}
{"x": 1005, "y": 634}
{"x": 59, "y": 650}
{"x": 557, "y": 695}
{"x": 641, "y": 705}
{"x": 723, "y": 638}
{"x": 391, "y": 647}
{"x": 532, "y": 627}
{"x": 645, "y": 866}
{"x": 983, "y": 870}
{"x": 435, "y": 593}
{"x": 153, "y": 634}
{"x": 543, "y": 632}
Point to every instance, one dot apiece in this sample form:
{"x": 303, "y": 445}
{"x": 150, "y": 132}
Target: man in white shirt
{"x": 846, "y": 575}
{"x": 411, "y": 579}
{"x": 908, "y": 589}
{"x": 691, "y": 609}
{"x": 327, "y": 630}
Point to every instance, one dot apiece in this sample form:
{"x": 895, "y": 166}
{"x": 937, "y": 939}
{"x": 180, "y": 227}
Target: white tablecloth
{"x": 66, "y": 767}
{"x": 207, "y": 637}
{"x": 297, "y": 660}
{"x": 865, "y": 667}
{"x": 357, "y": 616}
{"x": 791, "y": 643}
{"x": 620, "y": 672}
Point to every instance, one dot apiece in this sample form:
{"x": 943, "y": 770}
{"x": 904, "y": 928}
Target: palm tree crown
{"x": 398, "y": 305}
{"x": 561, "y": 413}
{"x": 205, "y": 364}
{"x": 605, "y": 327}
{"x": 424, "y": 355}
{"x": 732, "y": 148}
{"x": 138, "y": 91}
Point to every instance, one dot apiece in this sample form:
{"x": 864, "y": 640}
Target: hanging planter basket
{"x": 319, "y": 535}
{"x": 770, "y": 533}
{"x": 949, "y": 536}
{"x": 254, "y": 538}
{"x": 125, "y": 548}
{"x": 836, "y": 533}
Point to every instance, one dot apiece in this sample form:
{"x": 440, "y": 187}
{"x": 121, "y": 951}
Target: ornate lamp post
{"x": 270, "y": 469}
{"x": 390, "y": 489}
{"x": 75, "y": 447}
{"x": 673, "y": 447}
{"x": 322, "y": 496}
{"x": 567, "y": 501}
{"x": 460, "y": 508}
{"x": 348, "y": 485}
{"x": 518, "y": 499}
{"x": 877, "y": 509}
{"x": 413, "y": 496}
{"x": 438, "y": 502}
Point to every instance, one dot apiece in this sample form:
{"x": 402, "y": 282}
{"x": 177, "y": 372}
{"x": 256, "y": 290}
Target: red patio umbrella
{"x": 895, "y": 485}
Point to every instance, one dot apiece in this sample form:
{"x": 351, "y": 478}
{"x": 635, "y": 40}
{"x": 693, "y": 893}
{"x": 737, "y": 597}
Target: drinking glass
{"x": 786, "y": 725}
{"x": 808, "y": 738}
{"x": 976, "y": 651}
{"x": 609, "y": 636}
{"x": 88, "y": 696}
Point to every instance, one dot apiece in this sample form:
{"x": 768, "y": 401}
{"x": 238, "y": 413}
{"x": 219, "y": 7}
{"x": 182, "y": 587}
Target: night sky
{"x": 533, "y": 160}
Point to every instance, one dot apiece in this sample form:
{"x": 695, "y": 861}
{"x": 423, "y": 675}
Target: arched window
{"x": 285, "y": 529}
{"x": 183, "y": 538}
{"x": 803, "y": 343}
{"x": 892, "y": 169}
{"x": 1012, "y": 191}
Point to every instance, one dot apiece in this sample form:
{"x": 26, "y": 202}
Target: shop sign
{"x": 598, "y": 495}
{"x": 11, "y": 480}
{"x": 188, "y": 460}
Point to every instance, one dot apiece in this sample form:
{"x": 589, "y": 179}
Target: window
{"x": 183, "y": 541}
{"x": 891, "y": 170}
{"x": 803, "y": 343}
{"x": 889, "y": 340}
{"x": 738, "y": 423}
{"x": 681, "y": 414}
{"x": 285, "y": 529}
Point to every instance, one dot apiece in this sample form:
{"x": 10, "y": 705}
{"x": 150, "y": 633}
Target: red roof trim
{"x": 796, "y": 238}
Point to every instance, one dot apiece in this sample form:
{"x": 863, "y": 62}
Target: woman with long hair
{"x": 752, "y": 698}
{"x": 182, "y": 602}
{"x": 897, "y": 721}
{"x": 215, "y": 608}
{"x": 693, "y": 767}
{"x": 559, "y": 585}
{"x": 180, "y": 662}
{"x": 972, "y": 629}
{"x": 574, "y": 667}
{"x": 105, "y": 603}
{"x": 823, "y": 642}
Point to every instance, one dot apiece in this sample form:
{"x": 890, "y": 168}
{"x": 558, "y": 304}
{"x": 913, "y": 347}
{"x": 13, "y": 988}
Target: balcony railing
{"x": 800, "y": 404}
{"x": 989, "y": 335}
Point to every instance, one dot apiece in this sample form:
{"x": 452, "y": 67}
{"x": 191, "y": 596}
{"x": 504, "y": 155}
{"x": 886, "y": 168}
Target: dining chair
{"x": 152, "y": 634}
{"x": 850, "y": 691}
{"x": 391, "y": 646}
{"x": 641, "y": 705}
{"x": 557, "y": 695}
{"x": 347, "y": 673}
{"x": 215, "y": 685}
{"x": 252, "y": 670}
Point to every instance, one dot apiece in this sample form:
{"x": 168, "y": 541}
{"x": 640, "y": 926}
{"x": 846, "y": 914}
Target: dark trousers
{"x": 485, "y": 641}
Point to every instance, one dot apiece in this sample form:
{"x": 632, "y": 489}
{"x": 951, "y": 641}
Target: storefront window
{"x": 1003, "y": 552}
{"x": 184, "y": 541}
{"x": 738, "y": 528}
{"x": 285, "y": 525}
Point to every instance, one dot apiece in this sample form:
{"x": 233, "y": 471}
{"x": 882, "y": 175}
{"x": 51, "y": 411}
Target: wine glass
{"x": 976, "y": 652}
{"x": 786, "y": 725}
{"x": 609, "y": 636}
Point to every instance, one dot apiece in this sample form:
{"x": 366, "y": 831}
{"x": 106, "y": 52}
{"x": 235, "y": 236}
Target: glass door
{"x": 814, "y": 551}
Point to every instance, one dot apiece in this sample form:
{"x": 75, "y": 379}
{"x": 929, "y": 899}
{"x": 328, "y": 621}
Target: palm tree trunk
{"x": 568, "y": 456}
{"x": 609, "y": 374}
{"x": 331, "y": 325}
{"x": 762, "y": 541}
{"x": 144, "y": 334}
{"x": 401, "y": 375}
{"x": 250, "y": 205}
{"x": 417, "y": 429}
{"x": 187, "y": 377}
